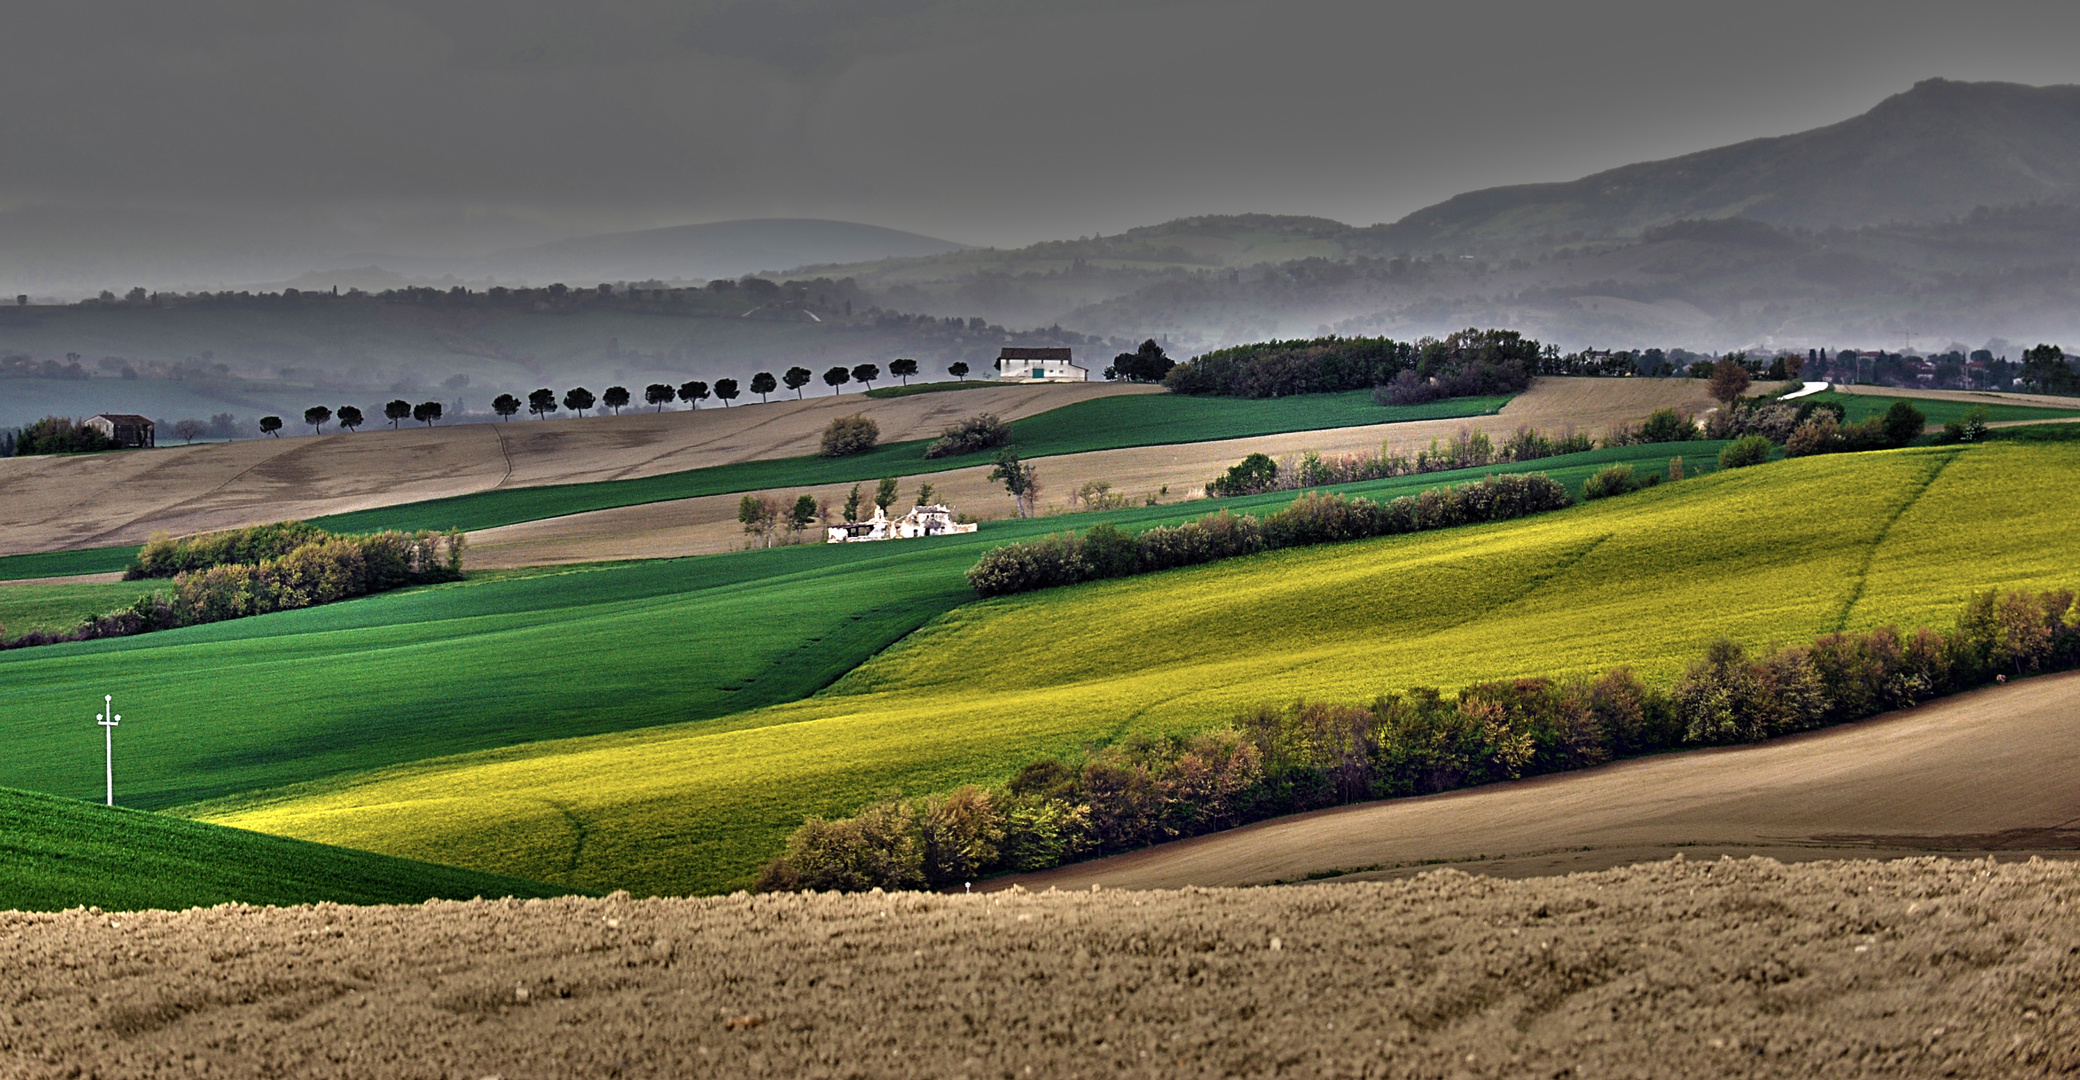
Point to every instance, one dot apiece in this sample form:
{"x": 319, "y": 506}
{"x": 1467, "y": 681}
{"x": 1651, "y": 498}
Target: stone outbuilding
{"x": 125, "y": 429}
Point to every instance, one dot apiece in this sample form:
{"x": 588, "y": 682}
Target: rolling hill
{"x": 56, "y": 853}
{"x": 1778, "y": 553}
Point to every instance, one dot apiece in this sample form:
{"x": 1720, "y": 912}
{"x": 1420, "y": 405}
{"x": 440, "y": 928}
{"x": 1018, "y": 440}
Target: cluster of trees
{"x": 1308, "y": 755}
{"x": 770, "y": 520}
{"x": 1469, "y": 449}
{"x": 266, "y": 568}
{"x": 1148, "y": 364}
{"x": 970, "y": 435}
{"x": 1105, "y": 551}
{"x": 848, "y": 435}
{"x": 60, "y": 435}
{"x": 1470, "y": 361}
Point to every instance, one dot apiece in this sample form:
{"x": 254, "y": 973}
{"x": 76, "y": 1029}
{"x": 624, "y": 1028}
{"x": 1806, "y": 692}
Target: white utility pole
{"x": 109, "y": 720}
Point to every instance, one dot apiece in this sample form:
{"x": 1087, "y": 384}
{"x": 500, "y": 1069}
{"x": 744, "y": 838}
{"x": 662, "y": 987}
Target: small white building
{"x": 1039, "y": 365}
{"x": 931, "y": 520}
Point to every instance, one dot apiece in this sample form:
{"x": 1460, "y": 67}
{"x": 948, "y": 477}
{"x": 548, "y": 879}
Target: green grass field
{"x": 1776, "y": 553}
{"x": 1939, "y": 411}
{"x": 60, "y": 607}
{"x": 508, "y": 657}
{"x": 57, "y": 853}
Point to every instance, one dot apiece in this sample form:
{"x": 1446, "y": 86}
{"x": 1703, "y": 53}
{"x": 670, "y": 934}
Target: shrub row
{"x": 163, "y": 556}
{"x": 1469, "y": 449}
{"x": 1104, "y": 551}
{"x": 1469, "y": 362}
{"x": 318, "y": 571}
{"x": 1308, "y": 755}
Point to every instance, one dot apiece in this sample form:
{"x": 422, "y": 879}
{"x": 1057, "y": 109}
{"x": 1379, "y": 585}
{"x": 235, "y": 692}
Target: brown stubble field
{"x": 56, "y": 503}
{"x": 708, "y": 525}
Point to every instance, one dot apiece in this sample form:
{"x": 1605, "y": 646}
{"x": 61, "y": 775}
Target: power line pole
{"x": 109, "y": 720}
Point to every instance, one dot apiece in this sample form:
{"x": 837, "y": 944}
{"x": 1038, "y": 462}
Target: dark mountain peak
{"x": 1933, "y": 152}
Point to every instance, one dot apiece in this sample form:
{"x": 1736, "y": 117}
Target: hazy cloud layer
{"x": 465, "y": 125}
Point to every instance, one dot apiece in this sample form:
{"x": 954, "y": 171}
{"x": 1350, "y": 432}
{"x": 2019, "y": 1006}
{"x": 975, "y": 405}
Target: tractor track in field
{"x": 1870, "y": 555}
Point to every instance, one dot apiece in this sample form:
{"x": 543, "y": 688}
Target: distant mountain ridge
{"x": 716, "y": 249}
{"x": 1931, "y": 153}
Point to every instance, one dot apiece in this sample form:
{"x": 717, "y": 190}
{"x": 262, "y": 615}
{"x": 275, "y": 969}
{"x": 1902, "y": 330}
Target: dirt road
{"x": 1993, "y": 770}
{"x": 1671, "y": 970}
{"x": 54, "y": 503}
{"x": 708, "y": 525}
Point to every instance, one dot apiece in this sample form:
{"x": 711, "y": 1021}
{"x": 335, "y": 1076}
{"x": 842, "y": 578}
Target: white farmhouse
{"x": 931, "y": 520}
{"x": 1039, "y": 365}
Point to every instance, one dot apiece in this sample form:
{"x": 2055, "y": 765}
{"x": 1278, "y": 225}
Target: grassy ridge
{"x": 506, "y": 658}
{"x": 1782, "y": 552}
{"x": 1939, "y": 411}
{"x": 57, "y": 853}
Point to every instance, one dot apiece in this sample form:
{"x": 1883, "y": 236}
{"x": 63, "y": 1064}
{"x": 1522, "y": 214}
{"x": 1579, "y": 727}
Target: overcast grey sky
{"x": 983, "y": 121}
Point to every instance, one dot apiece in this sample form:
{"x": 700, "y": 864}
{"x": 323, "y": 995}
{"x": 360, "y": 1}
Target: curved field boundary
{"x": 1918, "y": 781}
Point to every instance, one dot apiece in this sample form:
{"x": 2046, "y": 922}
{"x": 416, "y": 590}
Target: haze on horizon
{"x": 459, "y": 127}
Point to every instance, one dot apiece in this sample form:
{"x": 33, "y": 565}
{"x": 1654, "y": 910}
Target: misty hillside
{"x": 700, "y": 252}
{"x": 1932, "y": 153}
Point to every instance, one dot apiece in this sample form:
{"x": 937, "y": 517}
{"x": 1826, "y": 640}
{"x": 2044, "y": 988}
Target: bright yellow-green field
{"x": 1779, "y": 552}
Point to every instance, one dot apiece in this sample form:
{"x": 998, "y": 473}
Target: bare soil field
{"x": 707, "y": 525}
{"x": 1996, "y": 770}
{"x": 55, "y": 503}
{"x": 1685, "y": 968}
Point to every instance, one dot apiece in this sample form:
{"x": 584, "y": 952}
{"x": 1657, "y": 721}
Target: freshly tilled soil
{"x": 1923, "y": 967}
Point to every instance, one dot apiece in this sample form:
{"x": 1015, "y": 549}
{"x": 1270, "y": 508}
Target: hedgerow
{"x": 1103, "y": 551}
{"x": 234, "y": 574}
{"x": 1307, "y": 755}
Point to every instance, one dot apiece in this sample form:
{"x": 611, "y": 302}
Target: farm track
{"x": 1989, "y": 771}
{"x": 707, "y": 525}
{"x": 1678, "y": 969}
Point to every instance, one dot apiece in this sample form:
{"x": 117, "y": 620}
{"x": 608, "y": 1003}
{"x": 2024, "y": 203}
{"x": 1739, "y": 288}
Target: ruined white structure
{"x": 931, "y": 520}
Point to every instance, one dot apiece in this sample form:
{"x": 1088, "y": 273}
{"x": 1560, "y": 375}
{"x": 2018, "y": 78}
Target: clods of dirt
{"x": 1923, "y": 967}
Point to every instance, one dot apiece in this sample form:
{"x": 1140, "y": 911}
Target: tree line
{"x": 1276, "y": 760}
{"x": 279, "y": 567}
{"x": 1472, "y": 361}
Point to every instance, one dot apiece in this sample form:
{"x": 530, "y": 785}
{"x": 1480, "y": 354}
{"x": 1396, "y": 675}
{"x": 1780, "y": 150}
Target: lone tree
{"x": 578, "y": 399}
{"x": 397, "y": 411}
{"x": 796, "y": 378}
{"x": 271, "y": 425}
{"x": 725, "y": 391}
{"x": 505, "y": 405}
{"x": 427, "y": 412}
{"x": 695, "y": 392}
{"x": 350, "y": 417}
{"x": 615, "y": 398}
{"x": 188, "y": 429}
{"x": 542, "y": 402}
{"x": 852, "y": 504}
{"x": 958, "y": 369}
{"x": 757, "y": 513}
{"x": 902, "y": 368}
{"x": 1019, "y": 479}
{"x": 1729, "y": 380}
{"x": 866, "y": 373}
{"x": 835, "y": 378}
{"x": 885, "y": 494}
{"x": 762, "y": 384}
{"x": 1146, "y": 364}
{"x": 657, "y": 394}
{"x": 853, "y": 434}
{"x": 925, "y": 493}
{"x": 803, "y": 515}
{"x": 317, "y": 416}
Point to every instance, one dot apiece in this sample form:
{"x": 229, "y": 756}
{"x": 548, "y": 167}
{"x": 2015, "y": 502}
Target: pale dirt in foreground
{"x": 708, "y": 525}
{"x": 1992, "y": 770}
{"x": 56, "y": 503}
{"x": 1725, "y": 968}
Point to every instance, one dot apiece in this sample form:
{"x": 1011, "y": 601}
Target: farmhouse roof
{"x": 1012, "y": 353}
{"x": 122, "y": 418}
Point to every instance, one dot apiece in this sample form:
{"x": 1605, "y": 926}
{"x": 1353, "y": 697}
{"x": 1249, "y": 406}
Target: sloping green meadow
{"x": 57, "y": 853}
{"x": 1780, "y": 552}
{"x": 504, "y": 658}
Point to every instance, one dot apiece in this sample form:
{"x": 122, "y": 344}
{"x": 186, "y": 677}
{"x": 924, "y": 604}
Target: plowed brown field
{"x": 708, "y": 525}
{"x": 71, "y": 502}
{"x": 1723, "y": 968}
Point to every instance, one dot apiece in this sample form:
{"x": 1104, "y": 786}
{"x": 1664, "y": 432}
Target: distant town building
{"x": 125, "y": 429}
{"x": 929, "y": 520}
{"x": 1039, "y": 365}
